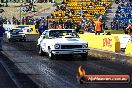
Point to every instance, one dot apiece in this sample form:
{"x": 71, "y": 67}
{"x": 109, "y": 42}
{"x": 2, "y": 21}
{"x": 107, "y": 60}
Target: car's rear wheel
{"x": 41, "y": 53}
{"x": 84, "y": 56}
{"x": 20, "y": 40}
{"x": 10, "y": 40}
{"x": 24, "y": 40}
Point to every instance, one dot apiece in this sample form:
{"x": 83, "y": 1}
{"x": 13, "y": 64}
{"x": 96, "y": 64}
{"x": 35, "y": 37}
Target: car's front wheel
{"x": 10, "y": 40}
{"x": 41, "y": 53}
{"x": 51, "y": 55}
{"x": 24, "y": 40}
{"x": 84, "y": 56}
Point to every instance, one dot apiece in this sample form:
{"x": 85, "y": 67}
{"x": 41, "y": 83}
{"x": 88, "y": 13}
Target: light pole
{"x": 20, "y": 13}
{"x": 81, "y": 15}
{"x": 6, "y": 3}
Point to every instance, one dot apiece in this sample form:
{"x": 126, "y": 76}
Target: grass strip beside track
{"x": 14, "y": 10}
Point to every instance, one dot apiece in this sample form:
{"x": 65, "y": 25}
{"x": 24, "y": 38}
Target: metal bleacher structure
{"x": 82, "y": 6}
{"x": 123, "y": 13}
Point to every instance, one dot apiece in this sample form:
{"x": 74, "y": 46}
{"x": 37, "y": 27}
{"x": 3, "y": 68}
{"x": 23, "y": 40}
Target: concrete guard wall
{"x": 104, "y": 42}
{"x": 128, "y": 49}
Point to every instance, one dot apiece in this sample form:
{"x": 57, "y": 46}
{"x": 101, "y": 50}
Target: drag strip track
{"x": 60, "y": 73}
{"x": 6, "y": 80}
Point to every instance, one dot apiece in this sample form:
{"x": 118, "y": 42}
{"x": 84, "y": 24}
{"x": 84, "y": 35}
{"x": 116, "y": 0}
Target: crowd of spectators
{"x": 123, "y": 15}
{"x": 68, "y": 12}
{"x": 40, "y": 23}
{"x": 27, "y": 1}
{"x": 85, "y": 23}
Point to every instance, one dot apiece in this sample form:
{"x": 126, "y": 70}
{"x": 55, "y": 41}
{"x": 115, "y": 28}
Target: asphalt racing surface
{"x": 5, "y": 79}
{"x": 60, "y": 73}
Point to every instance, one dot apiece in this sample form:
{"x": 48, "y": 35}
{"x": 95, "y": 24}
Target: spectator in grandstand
{"x": 91, "y": 28}
{"x": 62, "y": 7}
{"x": 72, "y": 11}
{"x": 130, "y": 20}
{"x": 18, "y": 22}
{"x": 117, "y": 1}
{"x": 77, "y": 27}
{"x": 103, "y": 25}
{"x": 98, "y": 26}
{"x": 117, "y": 24}
{"x": 66, "y": 25}
{"x": 54, "y": 24}
{"x": 8, "y": 22}
{"x": 37, "y": 23}
{"x": 117, "y": 15}
{"x": 79, "y": 12}
{"x": 57, "y": 8}
{"x": 60, "y": 26}
{"x": 112, "y": 26}
{"x": 91, "y": 5}
{"x": 87, "y": 6}
{"x": 23, "y": 21}
{"x": 96, "y": 2}
{"x": 52, "y": 16}
{"x": 104, "y": 4}
{"x": 14, "y": 20}
{"x": 129, "y": 30}
{"x": 124, "y": 28}
{"x": 2, "y": 31}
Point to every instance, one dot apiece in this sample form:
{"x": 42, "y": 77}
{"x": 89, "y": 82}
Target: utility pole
{"x": 81, "y": 15}
{"x": 6, "y": 3}
{"x": 20, "y": 13}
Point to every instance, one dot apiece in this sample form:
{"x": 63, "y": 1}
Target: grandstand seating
{"x": 82, "y": 6}
{"x": 123, "y": 14}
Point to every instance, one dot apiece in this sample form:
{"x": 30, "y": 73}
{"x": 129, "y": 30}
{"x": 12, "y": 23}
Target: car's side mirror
{"x": 44, "y": 37}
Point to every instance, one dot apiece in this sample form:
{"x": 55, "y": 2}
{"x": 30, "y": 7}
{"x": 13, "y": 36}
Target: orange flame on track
{"x": 81, "y": 71}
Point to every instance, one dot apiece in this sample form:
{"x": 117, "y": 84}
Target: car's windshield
{"x": 16, "y": 31}
{"x": 61, "y": 33}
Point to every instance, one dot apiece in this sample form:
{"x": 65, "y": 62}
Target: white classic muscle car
{"x": 16, "y": 34}
{"x": 61, "y": 42}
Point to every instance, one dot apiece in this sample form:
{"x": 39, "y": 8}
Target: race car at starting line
{"x": 60, "y": 42}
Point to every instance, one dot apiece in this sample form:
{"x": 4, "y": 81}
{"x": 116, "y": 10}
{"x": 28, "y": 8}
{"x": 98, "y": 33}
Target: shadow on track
{"x": 78, "y": 58}
{"x": 24, "y": 80}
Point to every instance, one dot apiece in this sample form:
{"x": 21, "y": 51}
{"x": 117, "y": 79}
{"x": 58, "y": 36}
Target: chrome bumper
{"x": 70, "y": 51}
